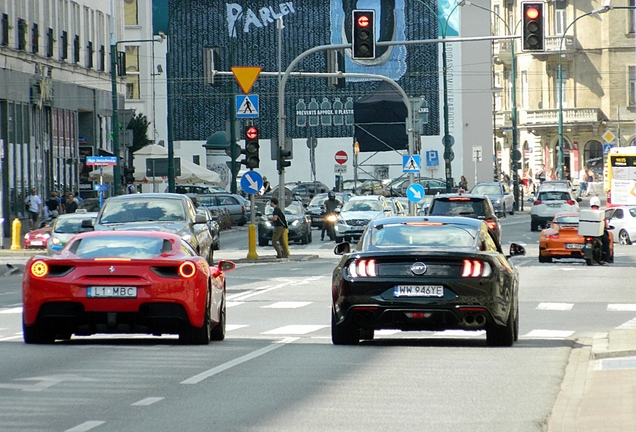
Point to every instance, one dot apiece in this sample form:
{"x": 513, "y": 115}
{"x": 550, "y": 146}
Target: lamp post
{"x": 599, "y": 10}
{"x": 115, "y": 116}
{"x": 515, "y": 155}
{"x": 448, "y": 139}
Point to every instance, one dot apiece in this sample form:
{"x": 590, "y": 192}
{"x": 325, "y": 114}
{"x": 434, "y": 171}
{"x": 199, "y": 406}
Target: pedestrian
{"x": 583, "y": 182}
{"x": 53, "y": 205}
{"x": 34, "y": 206}
{"x": 71, "y": 203}
{"x": 541, "y": 175}
{"x": 590, "y": 180}
{"x": 463, "y": 184}
{"x": 279, "y": 237}
{"x": 267, "y": 188}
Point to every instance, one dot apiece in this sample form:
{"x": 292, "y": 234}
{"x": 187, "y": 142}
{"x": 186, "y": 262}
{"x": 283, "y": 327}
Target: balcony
{"x": 502, "y": 50}
{"x": 550, "y": 117}
{"x": 552, "y": 45}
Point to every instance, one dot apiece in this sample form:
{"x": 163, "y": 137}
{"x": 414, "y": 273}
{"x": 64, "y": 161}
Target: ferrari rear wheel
{"x": 543, "y": 259}
{"x": 218, "y": 332}
{"x": 343, "y": 334}
{"x": 37, "y": 334}
{"x": 192, "y": 335}
{"x": 502, "y": 336}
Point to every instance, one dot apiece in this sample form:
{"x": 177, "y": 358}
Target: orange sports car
{"x": 562, "y": 240}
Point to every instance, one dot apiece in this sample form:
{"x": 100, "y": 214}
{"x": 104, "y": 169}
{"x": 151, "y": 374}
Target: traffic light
{"x": 532, "y": 36}
{"x": 363, "y": 35}
{"x": 252, "y": 148}
{"x": 283, "y": 162}
{"x": 129, "y": 175}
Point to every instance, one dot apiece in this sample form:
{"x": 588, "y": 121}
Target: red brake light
{"x": 570, "y": 202}
{"x": 459, "y": 199}
{"x": 362, "y": 268}
{"x": 491, "y": 224}
{"x": 39, "y": 269}
{"x": 553, "y": 236}
{"x": 537, "y": 202}
{"x": 476, "y": 268}
{"x": 187, "y": 270}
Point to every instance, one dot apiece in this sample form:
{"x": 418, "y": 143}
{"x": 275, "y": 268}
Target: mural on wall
{"x": 247, "y": 35}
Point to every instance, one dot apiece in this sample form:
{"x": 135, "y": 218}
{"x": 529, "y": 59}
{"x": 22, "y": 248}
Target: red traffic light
{"x": 363, "y": 21}
{"x": 532, "y": 13}
{"x": 251, "y": 133}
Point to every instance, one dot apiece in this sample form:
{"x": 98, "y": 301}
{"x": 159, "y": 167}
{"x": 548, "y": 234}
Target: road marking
{"x": 618, "y": 307}
{"x": 459, "y": 333}
{"x": 555, "y": 306}
{"x": 230, "y": 327}
{"x": 556, "y": 334}
{"x": 233, "y": 303}
{"x": 16, "y": 310}
{"x": 147, "y": 401}
{"x": 286, "y": 305}
{"x": 631, "y": 324}
{"x": 225, "y": 366}
{"x": 295, "y": 329}
{"x": 386, "y": 332}
{"x": 10, "y": 338}
{"x": 86, "y": 426}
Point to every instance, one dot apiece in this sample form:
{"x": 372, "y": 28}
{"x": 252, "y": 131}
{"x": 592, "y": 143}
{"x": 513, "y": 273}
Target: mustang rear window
{"x": 400, "y": 235}
{"x": 115, "y": 246}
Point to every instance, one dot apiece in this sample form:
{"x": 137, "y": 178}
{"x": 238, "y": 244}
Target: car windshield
{"x": 418, "y": 234}
{"x": 317, "y": 201}
{"x": 294, "y": 208}
{"x": 116, "y": 246}
{"x": 125, "y": 211}
{"x": 486, "y": 190}
{"x": 360, "y": 205}
{"x": 553, "y": 196}
{"x": 464, "y": 207}
{"x": 567, "y": 220}
{"x": 69, "y": 225}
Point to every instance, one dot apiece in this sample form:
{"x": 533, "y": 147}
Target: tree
{"x": 139, "y": 124}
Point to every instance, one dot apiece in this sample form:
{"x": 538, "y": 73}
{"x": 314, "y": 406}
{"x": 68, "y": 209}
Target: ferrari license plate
{"x": 111, "y": 292}
{"x": 418, "y": 291}
{"x": 573, "y": 246}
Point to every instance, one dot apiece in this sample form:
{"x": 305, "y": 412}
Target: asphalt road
{"x": 278, "y": 371}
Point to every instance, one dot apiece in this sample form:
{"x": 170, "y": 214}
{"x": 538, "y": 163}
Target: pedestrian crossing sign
{"x": 411, "y": 163}
{"x": 246, "y": 106}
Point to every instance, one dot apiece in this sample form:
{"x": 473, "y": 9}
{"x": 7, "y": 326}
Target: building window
{"x": 89, "y": 55}
{"x": 559, "y": 22}
{"x": 132, "y": 72}
{"x": 22, "y": 33}
{"x": 76, "y": 49}
{"x": 632, "y": 12}
{"x": 49, "y": 42}
{"x": 524, "y": 89}
{"x": 102, "y": 58}
{"x": 130, "y": 12}
{"x": 564, "y": 82}
{"x": 632, "y": 86}
{"x": 35, "y": 39}
{"x": 196, "y": 159}
{"x": 64, "y": 42}
{"x": 5, "y": 30}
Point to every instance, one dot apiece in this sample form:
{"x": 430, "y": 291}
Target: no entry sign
{"x": 341, "y": 157}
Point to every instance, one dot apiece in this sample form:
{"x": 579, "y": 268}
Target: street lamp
{"x": 514, "y": 153}
{"x": 115, "y": 116}
{"x": 448, "y": 139}
{"x": 599, "y": 10}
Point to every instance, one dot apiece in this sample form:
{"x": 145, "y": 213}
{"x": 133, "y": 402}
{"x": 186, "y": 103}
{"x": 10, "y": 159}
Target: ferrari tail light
{"x": 570, "y": 202}
{"x": 362, "y": 268}
{"x": 537, "y": 202}
{"x": 187, "y": 270}
{"x": 39, "y": 269}
{"x": 476, "y": 268}
{"x": 491, "y": 224}
{"x": 553, "y": 236}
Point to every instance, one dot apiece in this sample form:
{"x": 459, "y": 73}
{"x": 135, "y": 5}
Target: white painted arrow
{"x": 416, "y": 193}
{"x": 252, "y": 182}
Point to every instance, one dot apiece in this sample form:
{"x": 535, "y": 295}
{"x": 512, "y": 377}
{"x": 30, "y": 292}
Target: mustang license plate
{"x": 573, "y": 246}
{"x": 111, "y": 292}
{"x": 418, "y": 291}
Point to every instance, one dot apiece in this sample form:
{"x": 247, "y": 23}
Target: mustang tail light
{"x": 476, "y": 268}
{"x": 187, "y": 270}
{"x": 39, "y": 269}
{"x": 570, "y": 202}
{"x": 537, "y": 202}
{"x": 362, "y": 268}
{"x": 491, "y": 224}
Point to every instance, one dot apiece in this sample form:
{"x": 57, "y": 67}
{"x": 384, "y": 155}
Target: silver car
{"x": 64, "y": 227}
{"x": 357, "y": 213}
{"x": 550, "y": 202}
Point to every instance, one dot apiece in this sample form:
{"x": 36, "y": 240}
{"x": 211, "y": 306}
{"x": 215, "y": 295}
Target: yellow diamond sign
{"x": 246, "y": 76}
{"x": 608, "y": 136}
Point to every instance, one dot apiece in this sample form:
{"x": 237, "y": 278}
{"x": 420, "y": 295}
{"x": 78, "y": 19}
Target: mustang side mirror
{"x": 517, "y": 250}
{"x": 342, "y": 248}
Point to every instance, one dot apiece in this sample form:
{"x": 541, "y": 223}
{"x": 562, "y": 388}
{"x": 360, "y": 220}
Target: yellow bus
{"x": 620, "y": 180}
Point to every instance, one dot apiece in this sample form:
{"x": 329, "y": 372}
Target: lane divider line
{"x": 86, "y": 426}
{"x": 147, "y": 401}
{"x": 247, "y": 357}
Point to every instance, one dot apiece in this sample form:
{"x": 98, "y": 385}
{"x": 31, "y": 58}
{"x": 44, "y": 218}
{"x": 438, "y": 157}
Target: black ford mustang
{"x": 425, "y": 273}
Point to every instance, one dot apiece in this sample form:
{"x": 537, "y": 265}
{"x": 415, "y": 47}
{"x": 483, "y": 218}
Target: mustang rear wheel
{"x": 502, "y": 336}
{"x": 37, "y": 334}
{"x": 218, "y": 332}
{"x": 343, "y": 334}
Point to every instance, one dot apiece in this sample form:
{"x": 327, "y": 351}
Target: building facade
{"x": 597, "y": 84}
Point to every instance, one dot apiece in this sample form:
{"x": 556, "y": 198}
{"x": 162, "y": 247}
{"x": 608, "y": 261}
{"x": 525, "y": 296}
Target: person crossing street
{"x": 279, "y": 239}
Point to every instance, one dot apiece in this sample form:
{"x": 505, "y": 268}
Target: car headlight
{"x": 497, "y": 201}
{"x": 267, "y": 224}
{"x": 56, "y": 241}
{"x": 332, "y": 218}
{"x": 295, "y": 223}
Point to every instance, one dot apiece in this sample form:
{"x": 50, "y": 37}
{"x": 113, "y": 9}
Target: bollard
{"x": 16, "y": 234}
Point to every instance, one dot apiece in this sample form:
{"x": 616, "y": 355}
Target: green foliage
{"x": 139, "y": 125}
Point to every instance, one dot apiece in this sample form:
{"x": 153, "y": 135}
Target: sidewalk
{"x": 598, "y": 392}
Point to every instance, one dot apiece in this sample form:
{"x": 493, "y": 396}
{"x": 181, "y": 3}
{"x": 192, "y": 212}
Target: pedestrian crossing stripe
{"x": 247, "y": 106}
{"x": 411, "y": 163}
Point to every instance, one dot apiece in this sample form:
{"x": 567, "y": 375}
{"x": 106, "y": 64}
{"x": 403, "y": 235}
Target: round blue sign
{"x": 415, "y": 192}
{"x": 251, "y": 182}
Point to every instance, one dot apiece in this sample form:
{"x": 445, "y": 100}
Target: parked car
{"x": 213, "y": 226}
{"x": 467, "y": 205}
{"x": 398, "y": 207}
{"x": 500, "y": 195}
{"x": 91, "y": 204}
{"x": 124, "y": 282}
{"x": 351, "y": 185}
{"x": 174, "y": 213}
{"x": 37, "y": 239}
{"x": 357, "y": 213}
{"x": 64, "y": 227}
{"x": 298, "y": 222}
{"x": 372, "y": 187}
{"x": 234, "y": 203}
{"x": 200, "y": 189}
{"x": 315, "y": 207}
{"x": 550, "y": 203}
{"x": 431, "y": 186}
{"x": 305, "y": 191}
{"x": 623, "y": 221}
{"x": 442, "y": 274}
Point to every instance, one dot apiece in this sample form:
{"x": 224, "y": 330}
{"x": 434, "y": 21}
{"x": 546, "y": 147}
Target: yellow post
{"x": 251, "y": 238}
{"x": 16, "y": 234}
{"x": 286, "y": 241}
